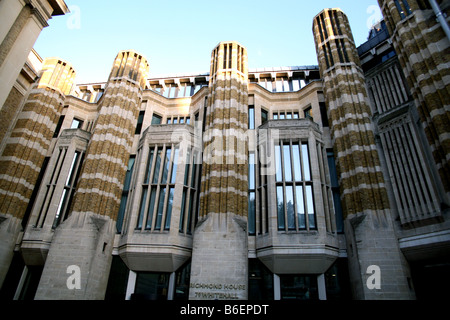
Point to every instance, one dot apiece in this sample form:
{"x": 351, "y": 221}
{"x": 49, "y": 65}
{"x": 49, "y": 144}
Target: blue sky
{"x": 177, "y": 36}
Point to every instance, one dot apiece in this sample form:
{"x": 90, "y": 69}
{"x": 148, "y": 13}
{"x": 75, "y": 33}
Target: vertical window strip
{"x": 344, "y": 50}
{"x": 294, "y": 189}
{"x": 339, "y": 50}
{"x": 320, "y": 29}
{"x": 225, "y": 48}
{"x": 51, "y": 187}
{"x": 336, "y": 20}
{"x": 125, "y": 192}
{"x": 252, "y": 194}
{"x": 69, "y": 189}
{"x": 400, "y": 9}
{"x": 325, "y": 53}
{"x": 251, "y": 117}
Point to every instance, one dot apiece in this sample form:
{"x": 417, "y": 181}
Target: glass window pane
{"x": 264, "y": 116}
{"x": 269, "y": 85}
{"x": 251, "y": 213}
{"x": 181, "y": 120}
{"x": 310, "y": 207}
{"x": 279, "y": 85}
{"x": 173, "y": 175}
{"x": 75, "y": 124}
{"x": 187, "y": 93}
{"x": 251, "y": 171}
{"x": 295, "y": 85}
{"x": 287, "y": 163}
{"x": 142, "y": 209}
{"x": 175, "y": 120}
{"x": 280, "y": 208}
{"x": 183, "y": 209}
{"x": 72, "y": 166}
{"x": 279, "y": 176}
{"x": 191, "y": 203}
{"x": 151, "y": 286}
{"x": 299, "y": 287}
{"x": 251, "y": 117}
{"x": 297, "y": 163}
{"x": 169, "y": 208}
{"x": 286, "y": 85}
{"x": 166, "y": 165}
{"x": 126, "y": 185}
{"x": 186, "y": 167}
{"x": 300, "y": 207}
{"x": 162, "y": 195}
{"x": 149, "y": 166}
{"x": 282, "y": 115}
{"x": 290, "y": 207}
{"x": 289, "y": 115}
{"x": 157, "y": 165}
{"x": 188, "y": 120}
{"x": 275, "y": 116}
{"x": 305, "y": 157}
{"x": 156, "y": 119}
{"x": 172, "y": 92}
{"x": 151, "y": 208}
{"x": 194, "y": 169}
{"x": 296, "y": 115}
{"x": 333, "y": 170}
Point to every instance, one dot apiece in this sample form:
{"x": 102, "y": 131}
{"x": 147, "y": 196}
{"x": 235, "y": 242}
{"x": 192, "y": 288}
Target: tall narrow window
{"x": 58, "y": 126}
{"x": 251, "y": 117}
{"x": 335, "y": 191}
{"x": 69, "y": 189}
{"x": 308, "y": 113}
{"x": 294, "y": 189}
{"x": 264, "y": 116}
{"x": 225, "y": 54}
{"x": 140, "y": 120}
{"x": 76, "y": 123}
{"x": 400, "y": 9}
{"x": 158, "y": 188}
{"x": 251, "y": 194}
{"x": 125, "y": 191}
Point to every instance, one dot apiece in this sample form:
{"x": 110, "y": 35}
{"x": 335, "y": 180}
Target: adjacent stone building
{"x": 304, "y": 182}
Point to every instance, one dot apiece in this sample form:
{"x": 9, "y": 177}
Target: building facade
{"x": 307, "y": 182}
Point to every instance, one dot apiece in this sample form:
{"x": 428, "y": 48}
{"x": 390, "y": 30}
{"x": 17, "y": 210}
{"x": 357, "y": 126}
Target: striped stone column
{"x": 224, "y": 176}
{"x": 368, "y": 226}
{"x": 423, "y": 50}
{"x": 220, "y": 239}
{"x": 85, "y": 239}
{"x": 25, "y": 150}
{"x": 101, "y": 181}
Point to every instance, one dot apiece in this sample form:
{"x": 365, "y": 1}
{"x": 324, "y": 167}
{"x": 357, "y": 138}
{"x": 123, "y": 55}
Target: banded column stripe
{"x": 225, "y": 167}
{"x": 424, "y": 55}
{"x": 31, "y": 137}
{"x": 349, "y": 114}
{"x": 101, "y": 180}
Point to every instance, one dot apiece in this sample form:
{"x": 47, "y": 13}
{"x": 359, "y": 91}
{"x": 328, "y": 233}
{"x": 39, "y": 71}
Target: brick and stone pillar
{"x": 423, "y": 50}
{"x": 85, "y": 240}
{"x": 368, "y": 223}
{"x": 220, "y": 258}
{"x": 25, "y": 150}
